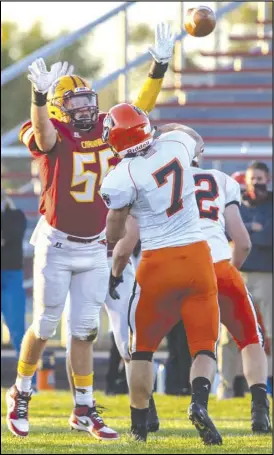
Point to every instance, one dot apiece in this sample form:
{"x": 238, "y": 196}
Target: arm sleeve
{"x": 150, "y": 90}
{"x": 233, "y": 192}
{"x": 118, "y": 189}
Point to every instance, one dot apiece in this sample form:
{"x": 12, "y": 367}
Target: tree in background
{"x": 246, "y": 15}
{"x": 15, "y": 95}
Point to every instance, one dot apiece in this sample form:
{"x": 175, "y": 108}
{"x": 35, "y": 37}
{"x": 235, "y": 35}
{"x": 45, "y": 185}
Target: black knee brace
{"x": 208, "y": 353}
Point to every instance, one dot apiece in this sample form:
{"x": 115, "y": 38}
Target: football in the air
{"x": 200, "y": 21}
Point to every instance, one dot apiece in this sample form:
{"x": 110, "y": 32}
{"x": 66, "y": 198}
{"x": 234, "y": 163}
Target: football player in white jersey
{"x": 218, "y": 198}
{"x": 175, "y": 278}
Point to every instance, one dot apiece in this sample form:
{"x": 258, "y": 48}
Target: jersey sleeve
{"x": 232, "y": 192}
{"x": 118, "y": 189}
{"x": 26, "y": 136}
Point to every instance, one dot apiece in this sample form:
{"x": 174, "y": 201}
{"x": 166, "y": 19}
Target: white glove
{"x": 42, "y": 79}
{"x": 164, "y": 43}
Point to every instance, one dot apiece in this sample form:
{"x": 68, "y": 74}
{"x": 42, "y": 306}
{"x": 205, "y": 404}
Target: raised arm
{"x": 162, "y": 53}
{"x": 44, "y": 131}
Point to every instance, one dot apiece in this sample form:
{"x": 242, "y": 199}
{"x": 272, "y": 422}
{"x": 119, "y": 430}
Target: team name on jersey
{"x": 91, "y": 144}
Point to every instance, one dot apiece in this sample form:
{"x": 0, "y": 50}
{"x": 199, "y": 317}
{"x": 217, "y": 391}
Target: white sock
{"x": 84, "y": 396}
{"x": 23, "y": 383}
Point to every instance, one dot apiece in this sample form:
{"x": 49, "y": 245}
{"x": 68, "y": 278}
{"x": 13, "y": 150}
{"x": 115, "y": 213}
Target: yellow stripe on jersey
{"x": 148, "y": 94}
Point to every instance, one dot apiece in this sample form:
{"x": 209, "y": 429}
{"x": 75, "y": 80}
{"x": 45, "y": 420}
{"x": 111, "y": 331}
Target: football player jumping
{"x": 64, "y": 137}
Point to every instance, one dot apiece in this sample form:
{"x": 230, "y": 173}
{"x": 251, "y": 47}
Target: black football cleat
{"x": 153, "y": 423}
{"x": 139, "y": 432}
{"x": 206, "y": 428}
{"x": 260, "y": 418}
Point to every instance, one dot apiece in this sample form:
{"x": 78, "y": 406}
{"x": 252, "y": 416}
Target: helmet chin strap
{"x": 84, "y": 124}
{"x": 79, "y": 124}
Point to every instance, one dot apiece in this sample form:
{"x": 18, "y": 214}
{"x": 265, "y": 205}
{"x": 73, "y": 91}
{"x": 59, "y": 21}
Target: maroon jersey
{"x": 71, "y": 176}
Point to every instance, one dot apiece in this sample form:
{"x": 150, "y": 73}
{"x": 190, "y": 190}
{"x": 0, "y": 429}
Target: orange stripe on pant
{"x": 175, "y": 283}
{"x": 236, "y": 307}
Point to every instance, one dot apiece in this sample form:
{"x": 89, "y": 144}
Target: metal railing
{"x": 10, "y": 73}
{"x": 14, "y": 70}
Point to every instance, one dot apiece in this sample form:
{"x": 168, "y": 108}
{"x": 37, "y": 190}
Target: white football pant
{"x": 62, "y": 268}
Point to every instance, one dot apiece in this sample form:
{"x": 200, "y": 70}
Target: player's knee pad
{"x": 86, "y": 335}
{"x": 142, "y": 355}
{"x": 44, "y": 327}
{"x": 85, "y": 328}
{"x": 208, "y": 353}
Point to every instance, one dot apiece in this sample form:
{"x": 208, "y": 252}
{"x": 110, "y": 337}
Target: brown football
{"x": 200, "y": 21}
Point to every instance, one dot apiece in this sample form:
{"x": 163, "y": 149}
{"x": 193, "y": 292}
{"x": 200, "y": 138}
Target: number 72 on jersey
{"x": 175, "y": 170}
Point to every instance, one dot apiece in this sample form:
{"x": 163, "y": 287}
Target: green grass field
{"x": 50, "y": 432}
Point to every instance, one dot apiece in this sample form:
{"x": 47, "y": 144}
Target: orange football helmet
{"x": 127, "y": 129}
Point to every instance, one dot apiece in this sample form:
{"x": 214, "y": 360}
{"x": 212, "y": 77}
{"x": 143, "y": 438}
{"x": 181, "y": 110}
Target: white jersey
{"x": 160, "y": 189}
{"x": 215, "y": 190}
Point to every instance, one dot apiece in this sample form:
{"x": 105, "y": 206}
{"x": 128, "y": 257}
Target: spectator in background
{"x": 257, "y": 214}
{"x": 13, "y": 299}
{"x": 239, "y": 176}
